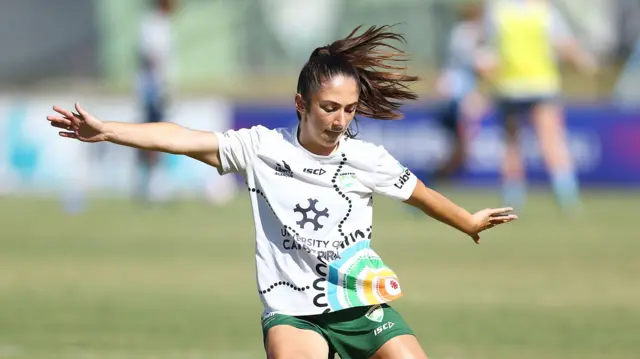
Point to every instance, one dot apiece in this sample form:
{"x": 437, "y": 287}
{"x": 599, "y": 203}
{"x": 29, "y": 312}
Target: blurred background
{"x": 110, "y": 253}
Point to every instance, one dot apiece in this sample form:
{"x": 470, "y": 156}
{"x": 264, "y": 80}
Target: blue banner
{"x": 604, "y": 141}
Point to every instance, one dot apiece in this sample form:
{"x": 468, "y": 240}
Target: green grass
{"x": 122, "y": 281}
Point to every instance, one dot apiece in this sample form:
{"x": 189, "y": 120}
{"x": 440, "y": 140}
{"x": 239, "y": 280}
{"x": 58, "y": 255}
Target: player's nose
{"x": 339, "y": 121}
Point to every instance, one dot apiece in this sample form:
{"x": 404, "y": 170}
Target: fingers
{"x": 495, "y": 212}
{"x": 60, "y": 122}
{"x": 81, "y": 110}
{"x": 62, "y": 126}
{"x": 492, "y": 217}
{"x": 503, "y": 219}
{"x": 76, "y": 120}
{"x": 64, "y": 112}
{"x": 68, "y": 134}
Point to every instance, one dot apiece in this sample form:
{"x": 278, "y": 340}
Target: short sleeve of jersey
{"x": 392, "y": 179}
{"x": 238, "y": 148}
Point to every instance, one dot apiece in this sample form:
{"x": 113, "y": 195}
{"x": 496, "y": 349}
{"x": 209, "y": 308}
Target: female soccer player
{"x": 311, "y": 190}
{"x": 527, "y": 38}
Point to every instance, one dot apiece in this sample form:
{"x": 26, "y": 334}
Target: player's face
{"x": 330, "y": 112}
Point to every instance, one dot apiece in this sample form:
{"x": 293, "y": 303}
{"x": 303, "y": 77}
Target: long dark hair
{"x": 367, "y": 58}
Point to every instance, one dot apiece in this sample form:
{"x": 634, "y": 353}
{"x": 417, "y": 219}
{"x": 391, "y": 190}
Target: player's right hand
{"x": 81, "y": 125}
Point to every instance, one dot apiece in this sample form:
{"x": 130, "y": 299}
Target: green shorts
{"x": 353, "y": 333}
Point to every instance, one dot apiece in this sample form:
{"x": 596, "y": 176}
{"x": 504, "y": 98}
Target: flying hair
{"x": 373, "y": 61}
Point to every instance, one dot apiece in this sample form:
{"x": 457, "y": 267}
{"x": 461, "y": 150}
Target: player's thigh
{"x": 361, "y": 332}
{"x": 547, "y": 117}
{"x": 548, "y": 123}
{"x": 401, "y": 347}
{"x": 288, "y": 342}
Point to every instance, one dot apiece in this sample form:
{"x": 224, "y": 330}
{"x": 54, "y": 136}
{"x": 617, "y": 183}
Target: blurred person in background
{"x": 527, "y": 37}
{"x": 295, "y": 24}
{"x": 311, "y": 188}
{"x": 155, "y": 80}
{"x": 464, "y": 104}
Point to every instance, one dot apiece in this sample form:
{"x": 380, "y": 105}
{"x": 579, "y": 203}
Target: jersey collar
{"x": 319, "y": 157}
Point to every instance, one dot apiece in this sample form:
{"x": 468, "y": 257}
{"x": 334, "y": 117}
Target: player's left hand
{"x": 489, "y": 218}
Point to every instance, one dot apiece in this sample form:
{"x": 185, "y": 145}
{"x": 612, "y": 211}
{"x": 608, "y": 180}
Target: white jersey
{"x": 313, "y": 219}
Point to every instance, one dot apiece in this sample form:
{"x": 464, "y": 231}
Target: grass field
{"x": 123, "y": 281}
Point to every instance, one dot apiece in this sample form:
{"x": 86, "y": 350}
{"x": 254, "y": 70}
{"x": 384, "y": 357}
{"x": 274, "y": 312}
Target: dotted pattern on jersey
{"x": 283, "y": 283}
{"x": 258, "y": 191}
{"x": 280, "y": 283}
{"x": 292, "y": 230}
{"x": 320, "y": 284}
{"x": 344, "y": 196}
{"x": 286, "y": 284}
{"x": 316, "y": 283}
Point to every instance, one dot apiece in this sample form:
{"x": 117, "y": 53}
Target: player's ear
{"x": 301, "y": 107}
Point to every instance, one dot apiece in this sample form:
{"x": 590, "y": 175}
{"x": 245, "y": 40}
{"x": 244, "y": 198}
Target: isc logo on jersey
{"x": 315, "y": 171}
{"x": 383, "y": 327}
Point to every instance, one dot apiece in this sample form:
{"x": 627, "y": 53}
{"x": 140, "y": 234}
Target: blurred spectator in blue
{"x": 155, "y": 80}
{"x": 464, "y": 105}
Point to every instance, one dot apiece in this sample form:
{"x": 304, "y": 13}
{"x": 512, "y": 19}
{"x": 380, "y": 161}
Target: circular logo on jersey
{"x": 392, "y": 286}
{"x": 347, "y": 179}
{"x": 360, "y": 278}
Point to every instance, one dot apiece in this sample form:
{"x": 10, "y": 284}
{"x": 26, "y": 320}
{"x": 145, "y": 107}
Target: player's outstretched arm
{"x": 441, "y": 208}
{"x": 162, "y": 136}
